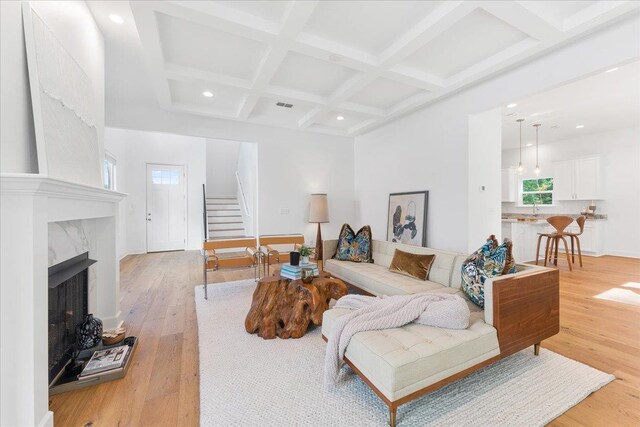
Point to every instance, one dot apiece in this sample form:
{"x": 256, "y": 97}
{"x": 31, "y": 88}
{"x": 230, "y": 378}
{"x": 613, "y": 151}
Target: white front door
{"x": 166, "y": 208}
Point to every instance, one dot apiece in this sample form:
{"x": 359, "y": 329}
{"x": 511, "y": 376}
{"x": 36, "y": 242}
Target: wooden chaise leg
{"x": 536, "y": 349}
{"x": 392, "y": 416}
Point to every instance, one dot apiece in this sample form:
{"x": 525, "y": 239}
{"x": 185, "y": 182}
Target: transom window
{"x": 537, "y": 191}
{"x": 165, "y": 177}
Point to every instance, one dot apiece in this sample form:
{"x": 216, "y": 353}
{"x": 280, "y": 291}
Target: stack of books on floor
{"x": 106, "y": 360}
{"x": 294, "y": 272}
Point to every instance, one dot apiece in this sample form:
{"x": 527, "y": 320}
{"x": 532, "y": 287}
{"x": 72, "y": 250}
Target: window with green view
{"x": 537, "y": 191}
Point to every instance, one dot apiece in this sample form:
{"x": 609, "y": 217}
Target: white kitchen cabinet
{"x": 577, "y": 179}
{"x": 506, "y": 230}
{"x": 509, "y": 190}
{"x": 524, "y": 236}
{"x": 591, "y": 240}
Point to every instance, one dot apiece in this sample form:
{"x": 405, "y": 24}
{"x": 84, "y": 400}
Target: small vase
{"x": 305, "y": 259}
{"x": 89, "y": 332}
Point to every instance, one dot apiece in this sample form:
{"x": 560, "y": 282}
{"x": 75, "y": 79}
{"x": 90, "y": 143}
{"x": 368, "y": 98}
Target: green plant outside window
{"x": 537, "y": 191}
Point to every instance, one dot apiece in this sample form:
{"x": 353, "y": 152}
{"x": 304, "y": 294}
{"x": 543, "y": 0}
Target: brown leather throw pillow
{"x": 415, "y": 265}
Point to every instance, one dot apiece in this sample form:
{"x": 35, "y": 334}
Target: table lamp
{"x": 319, "y": 212}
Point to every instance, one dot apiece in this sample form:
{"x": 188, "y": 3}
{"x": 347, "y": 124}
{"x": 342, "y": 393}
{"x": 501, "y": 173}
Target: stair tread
{"x": 225, "y": 229}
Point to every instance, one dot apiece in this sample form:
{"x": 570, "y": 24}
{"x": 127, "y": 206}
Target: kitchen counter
{"x": 524, "y": 234}
{"x": 534, "y": 219}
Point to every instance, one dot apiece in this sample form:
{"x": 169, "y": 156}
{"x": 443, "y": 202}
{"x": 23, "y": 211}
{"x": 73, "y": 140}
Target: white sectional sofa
{"x": 404, "y": 363}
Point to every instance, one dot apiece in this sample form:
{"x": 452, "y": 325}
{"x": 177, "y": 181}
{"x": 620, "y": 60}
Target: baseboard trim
{"x": 47, "y": 420}
{"x": 112, "y": 322}
{"x": 624, "y": 254}
{"x": 126, "y": 254}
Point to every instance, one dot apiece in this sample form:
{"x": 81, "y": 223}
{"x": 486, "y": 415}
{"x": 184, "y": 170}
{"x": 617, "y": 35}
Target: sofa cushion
{"x": 441, "y": 268}
{"x": 353, "y": 246}
{"x": 489, "y": 261}
{"x": 378, "y": 280}
{"x": 403, "y": 360}
{"x": 413, "y": 265}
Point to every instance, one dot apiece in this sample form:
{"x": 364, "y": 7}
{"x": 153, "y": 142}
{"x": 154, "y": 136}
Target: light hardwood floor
{"x": 157, "y": 303}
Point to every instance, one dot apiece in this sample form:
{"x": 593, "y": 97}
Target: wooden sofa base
{"x": 526, "y": 310}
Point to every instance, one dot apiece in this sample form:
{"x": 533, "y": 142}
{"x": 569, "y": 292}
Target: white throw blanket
{"x": 372, "y": 313}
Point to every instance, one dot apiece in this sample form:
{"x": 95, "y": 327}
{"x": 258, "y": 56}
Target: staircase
{"x": 224, "y": 219}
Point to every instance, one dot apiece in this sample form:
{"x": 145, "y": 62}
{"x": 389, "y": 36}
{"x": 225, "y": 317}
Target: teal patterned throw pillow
{"x": 489, "y": 261}
{"x": 352, "y": 246}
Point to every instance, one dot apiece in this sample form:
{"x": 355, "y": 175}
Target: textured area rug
{"x": 248, "y": 381}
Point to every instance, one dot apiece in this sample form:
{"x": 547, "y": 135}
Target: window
{"x": 109, "y": 172}
{"x": 538, "y": 191}
{"x": 165, "y": 177}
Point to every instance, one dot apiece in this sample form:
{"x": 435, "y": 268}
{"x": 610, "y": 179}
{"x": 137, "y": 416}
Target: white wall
{"x": 248, "y": 174}
{"x": 17, "y": 137}
{"x": 133, "y": 150}
{"x": 484, "y": 180}
{"x": 222, "y": 159}
{"x": 291, "y": 166}
{"x": 428, "y": 150}
{"x": 620, "y": 168}
{"x": 290, "y": 171}
{"x": 73, "y": 24}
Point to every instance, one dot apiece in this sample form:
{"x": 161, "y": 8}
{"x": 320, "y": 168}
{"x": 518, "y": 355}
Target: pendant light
{"x": 520, "y": 167}
{"x": 537, "y": 169}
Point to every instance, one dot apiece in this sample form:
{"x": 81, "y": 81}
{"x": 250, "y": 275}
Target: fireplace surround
{"x": 30, "y": 203}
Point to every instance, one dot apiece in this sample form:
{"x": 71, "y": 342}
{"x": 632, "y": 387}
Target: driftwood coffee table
{"x": 284, "y": 308}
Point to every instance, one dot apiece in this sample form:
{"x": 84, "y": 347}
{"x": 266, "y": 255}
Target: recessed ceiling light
{"x": 339, "y": 118}
{"x": 579, "y": 126}
{"x": 512, "y": 105}
{"x": 529, "y": 144}
{"x": 611, "y": 70}
{"x": 555, "y": 126}
{"x": 207, "y": 93}
{"x": 116, "y": 18}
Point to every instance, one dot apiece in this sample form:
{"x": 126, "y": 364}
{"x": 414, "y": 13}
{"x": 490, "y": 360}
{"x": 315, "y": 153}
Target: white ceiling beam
{"x": 293, "y": 96}
{"x": 523, "y": 19}
{"x": 434, "y": 24}
{"x": 340, "y": 95}
{"x": 494, "y": 64}
{"x": 413, "y": 77}
{"x": 215, "y": 15}
{"x": 296, "y": 17}
{"x": 147, "y": 25}
{"x": 184, "y": 73}
{"x": 181, "y": 107}
{"x": 598, "y": 14}
{"x": 353, "y": 107}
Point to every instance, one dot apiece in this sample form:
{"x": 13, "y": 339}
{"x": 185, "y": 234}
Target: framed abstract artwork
{"x": 407, "y": 220}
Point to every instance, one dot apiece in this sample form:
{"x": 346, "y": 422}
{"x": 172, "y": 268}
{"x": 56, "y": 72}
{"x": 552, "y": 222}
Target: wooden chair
{"x": 212, "y": 262}
{"x": 273, "y": 255}
{"x": 559, "y": 223}
{"x": 580, "y": 220}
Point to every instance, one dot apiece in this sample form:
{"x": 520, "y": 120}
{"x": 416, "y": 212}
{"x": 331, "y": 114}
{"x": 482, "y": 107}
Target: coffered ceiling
{"x": 366, "y": 62}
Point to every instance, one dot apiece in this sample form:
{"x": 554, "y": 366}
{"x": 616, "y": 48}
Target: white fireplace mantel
{"x": 28, "y": 203}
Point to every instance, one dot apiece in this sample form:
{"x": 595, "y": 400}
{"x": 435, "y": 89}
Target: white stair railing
{"x": 243, "y": 198}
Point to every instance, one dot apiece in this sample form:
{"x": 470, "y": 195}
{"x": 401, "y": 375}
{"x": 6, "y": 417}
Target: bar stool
{"x": 580, "y": 220}
{"x": 559, "y": 223}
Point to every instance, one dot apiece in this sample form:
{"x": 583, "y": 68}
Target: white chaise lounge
{"x": 401, "y": 364}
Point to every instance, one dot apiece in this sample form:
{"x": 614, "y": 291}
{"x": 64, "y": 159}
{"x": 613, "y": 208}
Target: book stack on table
{"x": 294, "y": 272}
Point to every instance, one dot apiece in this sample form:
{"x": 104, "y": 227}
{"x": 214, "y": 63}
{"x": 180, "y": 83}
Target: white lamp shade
{"x": 319, "y": 208}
